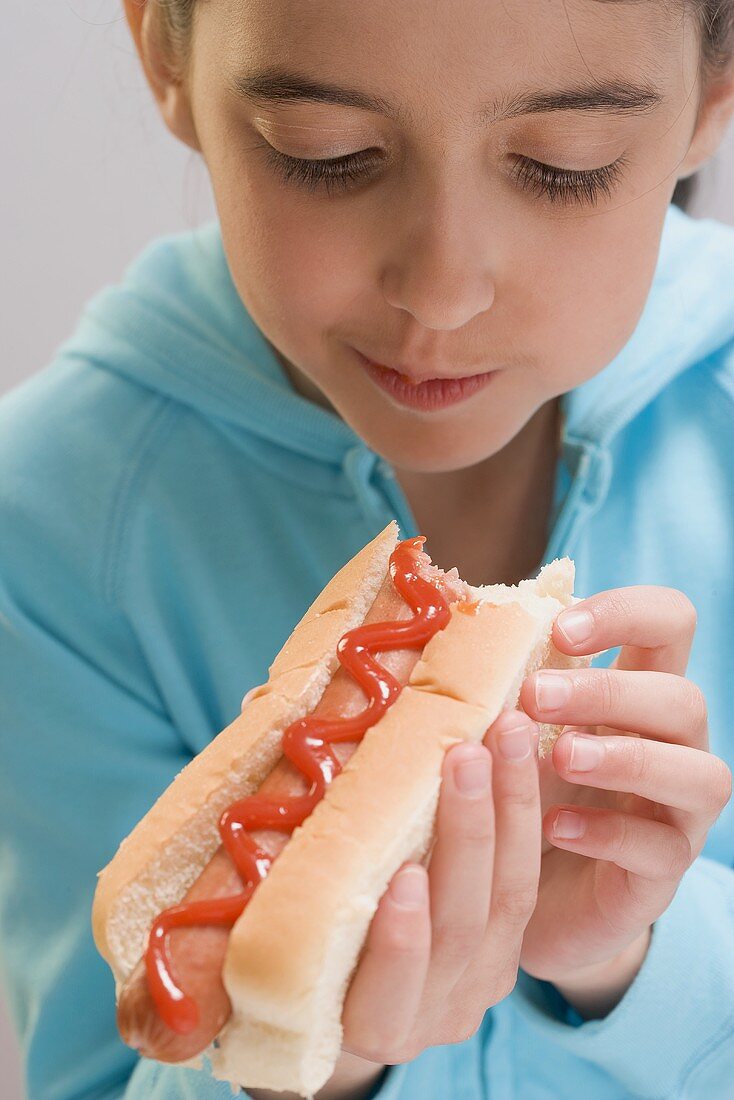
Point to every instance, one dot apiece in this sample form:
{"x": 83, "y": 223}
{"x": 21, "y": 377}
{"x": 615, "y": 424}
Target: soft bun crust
{"x": 167, "y": 850}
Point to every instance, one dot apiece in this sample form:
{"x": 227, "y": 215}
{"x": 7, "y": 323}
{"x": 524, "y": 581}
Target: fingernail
{"x": 576, "y": 626}
{"x": 568, "y": 825}
{"x": 587, "y": 753}
{"x": 515, "y": 744}
{"x": 472, "y": 777}
{"x": 552, "y": 690}
{"x": 254, "y": 693}
{"x": 409, "y": 889}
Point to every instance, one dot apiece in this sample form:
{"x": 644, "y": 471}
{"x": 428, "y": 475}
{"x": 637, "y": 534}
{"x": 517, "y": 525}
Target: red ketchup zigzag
{"x": 306, "y": 744}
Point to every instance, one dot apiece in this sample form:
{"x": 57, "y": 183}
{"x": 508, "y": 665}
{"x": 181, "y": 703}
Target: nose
{"x": 439, "y": 269}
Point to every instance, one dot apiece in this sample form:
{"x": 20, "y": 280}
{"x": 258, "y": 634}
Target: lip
{"x": 429, "y": 394}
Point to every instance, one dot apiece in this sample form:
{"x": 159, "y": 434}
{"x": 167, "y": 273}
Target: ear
{"x": 170, "y": 91}
{"x": 714, "y": 114}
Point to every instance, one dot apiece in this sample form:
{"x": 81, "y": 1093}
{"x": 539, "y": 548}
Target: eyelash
{"x": 560, "y": 185}
{"x": 567, "y": 185}
{"x": 336, "y": 172}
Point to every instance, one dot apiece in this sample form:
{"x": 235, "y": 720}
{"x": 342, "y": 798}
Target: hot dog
{"x": 196, "y": 952}
{"x": 243, "y": 838}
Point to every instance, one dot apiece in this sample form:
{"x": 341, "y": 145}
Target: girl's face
{"x": 502, "y": 176}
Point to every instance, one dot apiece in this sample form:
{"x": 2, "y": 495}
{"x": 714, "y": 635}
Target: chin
{"x": 429, "y": 451}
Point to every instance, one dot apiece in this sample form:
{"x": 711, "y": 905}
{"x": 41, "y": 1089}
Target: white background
{"x": 90, "y": 177}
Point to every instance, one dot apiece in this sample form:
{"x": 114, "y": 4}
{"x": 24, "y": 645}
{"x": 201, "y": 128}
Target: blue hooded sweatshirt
{"x": 169, "y": 506}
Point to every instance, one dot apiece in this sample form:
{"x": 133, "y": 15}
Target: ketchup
{"x": 306, "y": 744}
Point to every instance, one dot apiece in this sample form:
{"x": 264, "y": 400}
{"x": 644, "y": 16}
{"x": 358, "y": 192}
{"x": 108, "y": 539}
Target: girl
{"x": 447, "y": 284}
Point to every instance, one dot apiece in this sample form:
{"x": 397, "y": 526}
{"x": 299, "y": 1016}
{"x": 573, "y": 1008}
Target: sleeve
{"x": 672, "y": 1034}
{"x": 85, "y": 752}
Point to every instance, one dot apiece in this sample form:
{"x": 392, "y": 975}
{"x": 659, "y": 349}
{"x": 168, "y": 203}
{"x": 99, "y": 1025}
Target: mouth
{"x": 428, "y": 394}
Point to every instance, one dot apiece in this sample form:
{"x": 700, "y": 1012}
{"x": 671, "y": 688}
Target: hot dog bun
{"x": 291, "y": 953}
{"x": 168, "y": 848}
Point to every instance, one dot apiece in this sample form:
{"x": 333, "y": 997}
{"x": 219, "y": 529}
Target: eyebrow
{"x": 278, "y": 85}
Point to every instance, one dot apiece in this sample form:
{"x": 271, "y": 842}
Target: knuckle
{"x": 463, "y": 1032}
{"x": 694, "y": 704}
{"x": 622, "y": 836}
{"x": 515, "y": 902}
{"x": 608, "y": 688}
{"x": 490, "y": 985}
{"x": 637, "y": 761}
{"x": 474, "y": 824}
{"x": 522, "y": 804}
{"x": 405, "y": 942}
{"x": 505, "y": 985}
{"x": 684, "y": 610}
{"x": 459, "y": 941}
{"x": 510, "y": 983}
{"x": 398, "y": 1055}
{"x": 524, "y": 799}
{"x": 678, "y": 857}
{"x": 620, "y": 607}
{"x": 722, "y": 784}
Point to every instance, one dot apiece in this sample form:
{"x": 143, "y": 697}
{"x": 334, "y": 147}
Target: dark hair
{"x": 685, "y": 192}
{"x": 715, "y": 18}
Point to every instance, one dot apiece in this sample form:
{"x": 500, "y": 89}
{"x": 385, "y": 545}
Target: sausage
{"x": 197, "y": 952}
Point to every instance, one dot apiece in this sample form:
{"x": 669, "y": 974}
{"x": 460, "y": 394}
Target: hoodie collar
{"x": 176, "y": 325}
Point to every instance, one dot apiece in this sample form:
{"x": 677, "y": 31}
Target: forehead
{"x": 451, "y": 48}
{"x": 455, "y": 37}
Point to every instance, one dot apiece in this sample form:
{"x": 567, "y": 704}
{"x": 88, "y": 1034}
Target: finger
{"x": 651, "y": 849}
{"x": 386, "y": 991}
{"x": 674, "y": 775}
{"x": 460, "y": 871}
{"x": 513, "y": 743}
{"x": 492, "y": 973}
{"x": 653, "y": 625}
{"x": 652, "y": 704}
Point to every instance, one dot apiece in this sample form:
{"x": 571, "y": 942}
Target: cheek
{"x": 589, "y": 300}
{"x": 297, "y": 269}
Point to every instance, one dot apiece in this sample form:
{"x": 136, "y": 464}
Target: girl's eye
{"x": 559, "y": 185}
{"x": 336, "y": 173}
{"x": 566, "y": 185}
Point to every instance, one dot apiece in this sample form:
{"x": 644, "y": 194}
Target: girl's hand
{"x": 444, "y": 944}
{"x": 637, "y": 787}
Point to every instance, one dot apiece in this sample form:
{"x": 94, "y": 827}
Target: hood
{"x": 176, "y": 325}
